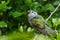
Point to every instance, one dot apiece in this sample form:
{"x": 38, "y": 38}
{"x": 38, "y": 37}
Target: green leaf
{"x": 35, "y": 6}
{"x": 49, "y": 7}
{"x": 41, "y": 37}
{"x": 3, "y": 6}
{"x": 50, "y": 24}
{"x": 56, "y": 21}
{"x": 30, "y": 29}
{"x": 58, "y": 36}
{"x": 21, "y": 29}
{"x": 56, "y": 3}
{"x": 3, "y": 24}
{"x": 44, "y": 0}
{"x": 16, "y": 14}
{"x": 28, "y": 1}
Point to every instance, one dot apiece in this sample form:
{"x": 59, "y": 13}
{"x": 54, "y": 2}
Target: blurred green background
{"x": 14, "y": 23}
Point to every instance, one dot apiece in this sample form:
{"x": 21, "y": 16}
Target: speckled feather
{"x": 38, "y": 22}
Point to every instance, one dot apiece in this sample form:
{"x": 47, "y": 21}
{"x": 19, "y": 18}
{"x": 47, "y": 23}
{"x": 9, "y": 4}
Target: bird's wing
{"x": 38, "y": 21}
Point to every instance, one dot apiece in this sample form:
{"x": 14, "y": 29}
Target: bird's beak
{"x": 29, "y": 11}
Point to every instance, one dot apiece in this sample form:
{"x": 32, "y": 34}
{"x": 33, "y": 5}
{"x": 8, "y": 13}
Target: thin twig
{"x": 52, "y": 12}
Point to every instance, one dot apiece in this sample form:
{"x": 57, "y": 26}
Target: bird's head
{"x": 32, "y": 14}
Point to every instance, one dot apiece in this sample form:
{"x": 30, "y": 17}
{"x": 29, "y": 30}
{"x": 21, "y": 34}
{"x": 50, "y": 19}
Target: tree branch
{"x": 52, "y": 12}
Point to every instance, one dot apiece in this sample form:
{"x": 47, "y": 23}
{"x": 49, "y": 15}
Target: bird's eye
{"x": 32, "y": 12}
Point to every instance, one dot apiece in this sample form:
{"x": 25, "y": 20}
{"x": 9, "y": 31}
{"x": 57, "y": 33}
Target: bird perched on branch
{"x": 38, "y": 22}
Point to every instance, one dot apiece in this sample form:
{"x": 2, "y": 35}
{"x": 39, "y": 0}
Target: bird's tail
{"x": 50, "y": 31}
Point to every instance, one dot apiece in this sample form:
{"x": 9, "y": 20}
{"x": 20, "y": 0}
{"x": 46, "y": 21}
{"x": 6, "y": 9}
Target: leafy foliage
{"x": 15, "y": 14}
{"x": 14, "y": 17}
{"x": 3, "y": 24}
{"x": 3, "y": 6}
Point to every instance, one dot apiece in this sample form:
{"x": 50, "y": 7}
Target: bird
{"x": 39, "y": 23}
